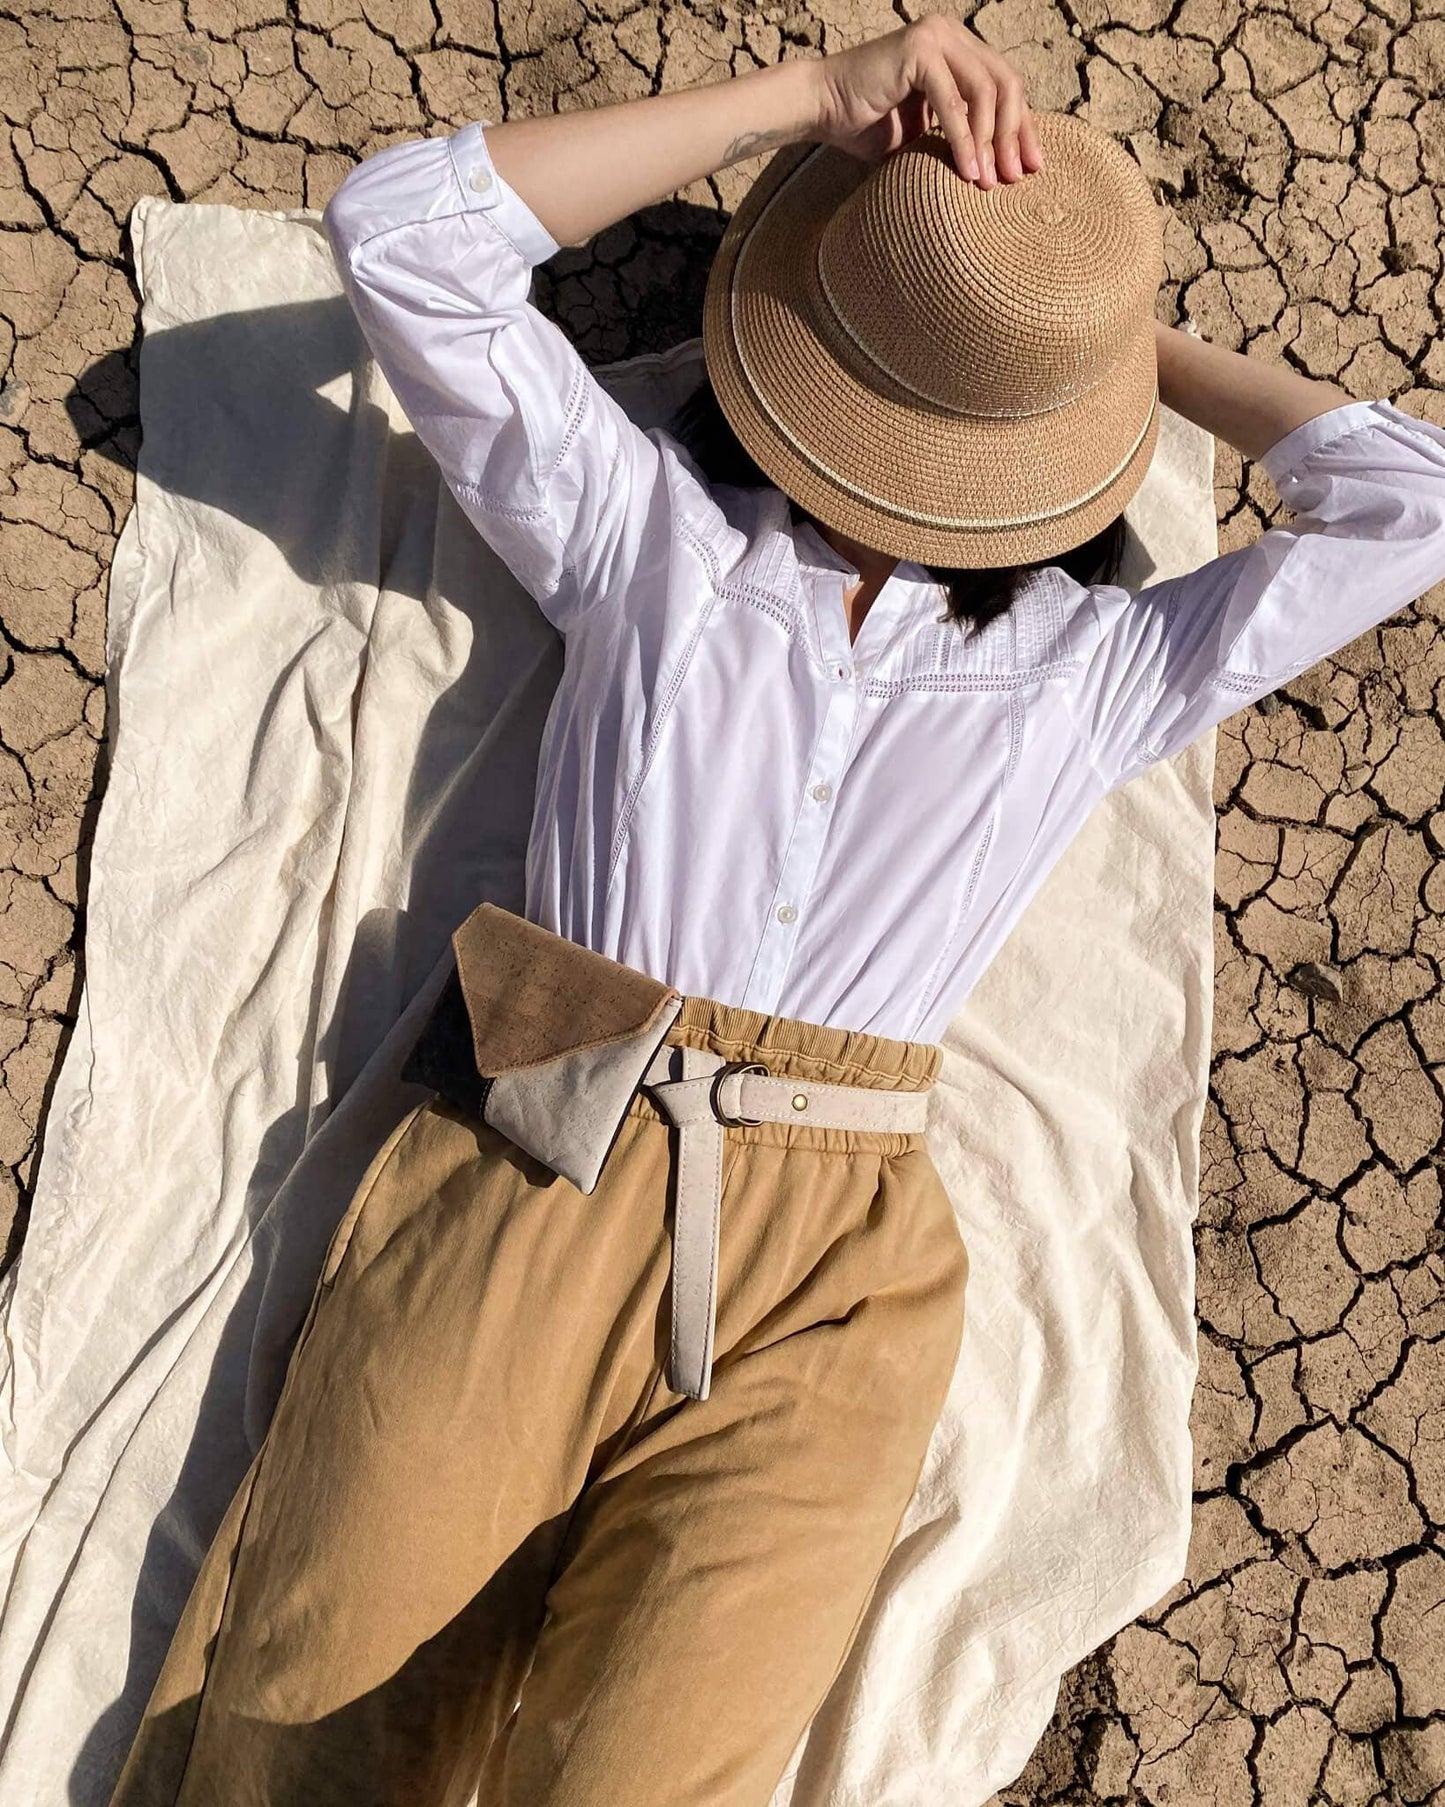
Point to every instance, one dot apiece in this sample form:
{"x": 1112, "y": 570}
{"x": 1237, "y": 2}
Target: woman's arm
{"x": 1251, "y": 403}
{"x": 436, "y": 250}
{"x": 1365, "y": 485}
{"x": 583, "y": 170}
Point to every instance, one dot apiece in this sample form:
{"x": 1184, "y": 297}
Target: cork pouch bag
{"x": 543, "y": 1039}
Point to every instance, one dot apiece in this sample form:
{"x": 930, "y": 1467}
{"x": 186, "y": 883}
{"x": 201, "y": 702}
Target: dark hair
{"x": 974, "y": 596}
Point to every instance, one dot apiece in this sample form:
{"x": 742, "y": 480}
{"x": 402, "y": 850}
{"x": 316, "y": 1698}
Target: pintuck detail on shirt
{"x": 736, "y": 796}
{"x": 1031, "y": 643}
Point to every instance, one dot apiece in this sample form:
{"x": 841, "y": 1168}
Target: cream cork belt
{"x": 701, "y": 1094}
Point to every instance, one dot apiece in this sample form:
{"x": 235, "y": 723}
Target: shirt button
{"x": 822, "y": 792}
{"x": 480, "y": 180}
{"x": 786, "y": 913}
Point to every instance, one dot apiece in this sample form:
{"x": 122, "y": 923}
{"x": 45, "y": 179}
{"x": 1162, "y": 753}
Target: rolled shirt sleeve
{"x": 436, "y": 253}
{"x": 1365, "y": 483}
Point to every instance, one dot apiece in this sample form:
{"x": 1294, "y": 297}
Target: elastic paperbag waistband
{"x": 804, "y": 1050}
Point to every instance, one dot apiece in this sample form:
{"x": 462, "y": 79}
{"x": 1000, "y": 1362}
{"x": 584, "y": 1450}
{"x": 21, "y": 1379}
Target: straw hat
{"x": 953, "y": 375}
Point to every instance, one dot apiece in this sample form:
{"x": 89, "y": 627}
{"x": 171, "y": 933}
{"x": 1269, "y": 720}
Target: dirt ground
{"x": 1301, "y": 152}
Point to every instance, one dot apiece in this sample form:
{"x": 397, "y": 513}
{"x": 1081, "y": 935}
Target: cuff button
{"x": 480, "y": 181}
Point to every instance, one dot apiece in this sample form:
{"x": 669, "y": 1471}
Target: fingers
{"x": 1030, "y": 149}
{"x": 976, "y": 84}
{"x": 994, "y": 92}
{"x": 982, "y": 100}
{"x": 1008, "y": 117}
{"x": 953, "y": 115}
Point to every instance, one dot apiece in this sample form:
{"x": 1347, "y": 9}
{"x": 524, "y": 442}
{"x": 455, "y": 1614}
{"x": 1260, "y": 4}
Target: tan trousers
{"x": 484, "y": 1545}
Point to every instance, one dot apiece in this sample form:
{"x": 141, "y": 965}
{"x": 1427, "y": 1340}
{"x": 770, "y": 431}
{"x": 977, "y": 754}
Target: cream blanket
{"x": 326, "y": 697}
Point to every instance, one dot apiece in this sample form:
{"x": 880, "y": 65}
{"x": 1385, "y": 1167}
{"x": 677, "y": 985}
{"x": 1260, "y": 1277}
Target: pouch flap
{"x": 532, "y": 996}
{"x": 569, "y": 1111}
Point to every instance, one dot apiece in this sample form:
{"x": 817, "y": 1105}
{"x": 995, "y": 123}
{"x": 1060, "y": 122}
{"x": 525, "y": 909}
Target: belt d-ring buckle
{"x": 733, "y": 1066}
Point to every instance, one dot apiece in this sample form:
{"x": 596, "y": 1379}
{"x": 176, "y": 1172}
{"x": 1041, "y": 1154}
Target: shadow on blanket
{"x": 229, "y": 1420}
{"x": 267, "y": 368}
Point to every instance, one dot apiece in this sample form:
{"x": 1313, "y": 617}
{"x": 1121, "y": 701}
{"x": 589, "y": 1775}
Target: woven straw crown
{"x": 946, "y": 373}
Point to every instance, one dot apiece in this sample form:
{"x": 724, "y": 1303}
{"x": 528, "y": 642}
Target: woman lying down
{"x": 624, "y": 1360}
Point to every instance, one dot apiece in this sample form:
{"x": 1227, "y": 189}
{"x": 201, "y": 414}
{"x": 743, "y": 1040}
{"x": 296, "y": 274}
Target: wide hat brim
{"x": 870, "y": 458}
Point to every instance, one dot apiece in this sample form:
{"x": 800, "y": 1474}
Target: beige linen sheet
{"x": 325, "y": 699}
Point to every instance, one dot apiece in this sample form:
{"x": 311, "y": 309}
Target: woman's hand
{"x": 878, "y": 95}
{"x": 585, "y": 168}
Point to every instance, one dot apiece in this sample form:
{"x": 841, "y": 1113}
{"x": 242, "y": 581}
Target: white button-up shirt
{"x": 732, "y": 796}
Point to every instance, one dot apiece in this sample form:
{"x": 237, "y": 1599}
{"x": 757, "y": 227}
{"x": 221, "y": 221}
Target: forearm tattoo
{"x": 753, "y": 144}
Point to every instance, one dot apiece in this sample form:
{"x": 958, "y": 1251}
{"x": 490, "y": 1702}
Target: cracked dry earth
{"x": 1300, "y": 149}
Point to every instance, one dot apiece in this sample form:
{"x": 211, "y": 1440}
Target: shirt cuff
{"x": 483, "y": 187}
{"x": 1301, "y": 441}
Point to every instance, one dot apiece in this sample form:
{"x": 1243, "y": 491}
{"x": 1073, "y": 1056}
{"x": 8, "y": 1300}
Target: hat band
{"x": 885, "y": 504}
{"x": 950, "y": 523}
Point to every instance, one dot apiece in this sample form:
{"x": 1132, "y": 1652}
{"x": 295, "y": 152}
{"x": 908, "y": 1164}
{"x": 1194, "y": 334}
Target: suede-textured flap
{"x": 569, "y": 1111}
{"x": 532, "y": 995}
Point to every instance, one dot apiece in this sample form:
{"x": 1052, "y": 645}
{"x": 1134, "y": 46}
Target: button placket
{"x": 805, "y": 850}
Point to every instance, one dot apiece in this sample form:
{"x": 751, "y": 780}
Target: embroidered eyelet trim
{"x": 495, "y": 505}
{"x": 766, "y": 602}
{"x": 1016, "y": 735}
{"x": 575, "y": 413}
{"x": 1252, "y": 683}
{"x": 704, "y": 551}
{"x": 957, "y": 681}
